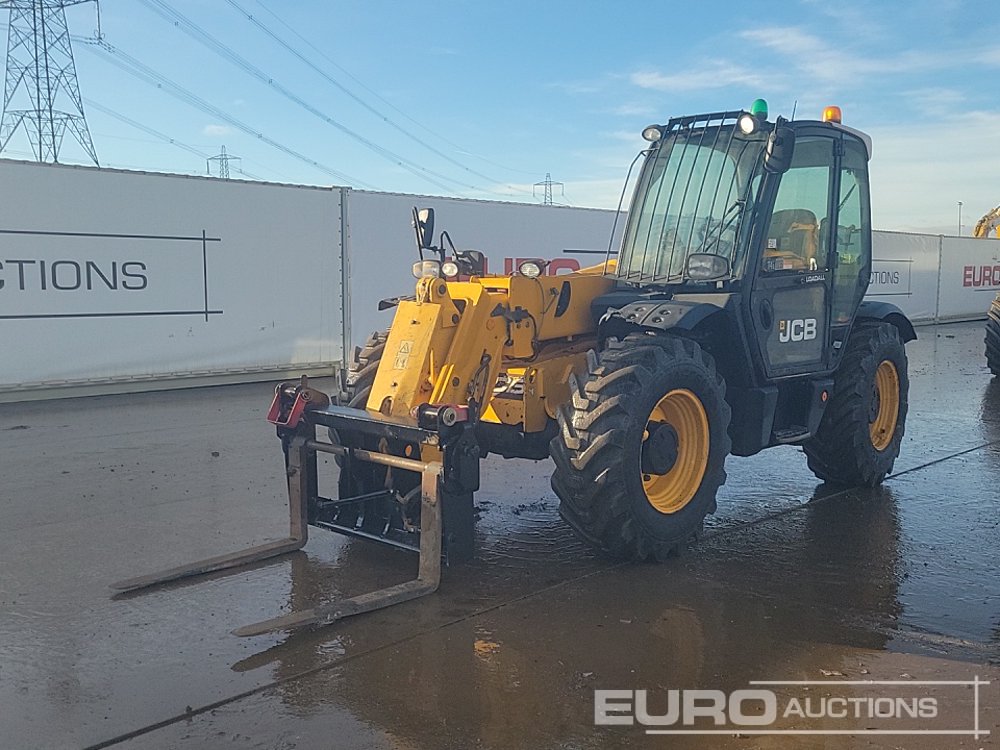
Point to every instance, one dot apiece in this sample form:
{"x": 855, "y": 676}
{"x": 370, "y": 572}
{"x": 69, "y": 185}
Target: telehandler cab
{"x": 730, "y": 321}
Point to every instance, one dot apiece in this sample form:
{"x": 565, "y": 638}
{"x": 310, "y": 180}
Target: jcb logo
{"x": 799, "y": 329}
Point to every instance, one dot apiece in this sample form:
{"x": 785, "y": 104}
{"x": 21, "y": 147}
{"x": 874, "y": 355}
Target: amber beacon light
{"x": 832, "y": 114}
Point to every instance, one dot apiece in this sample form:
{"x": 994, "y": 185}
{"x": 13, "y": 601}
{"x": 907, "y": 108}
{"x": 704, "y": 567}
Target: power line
{"x": 340, "y": 87}
{"x": 194, "y": 148}
{"x": 143, "y": 72}
{"x": 193, "y": 30}
{"x": 40, "y": 64}
{"x": 360, "y": 83}
{"x": 144, "y": 128}
{"x": 157, "y": 134}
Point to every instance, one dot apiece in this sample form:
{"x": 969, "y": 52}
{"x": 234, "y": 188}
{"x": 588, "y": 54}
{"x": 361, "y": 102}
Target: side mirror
{"x": 780, "y": 147}
{"x": 423, "y": 224}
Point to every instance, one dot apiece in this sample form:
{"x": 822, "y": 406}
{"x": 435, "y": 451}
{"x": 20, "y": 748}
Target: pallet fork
{"x": 297, "y": 411}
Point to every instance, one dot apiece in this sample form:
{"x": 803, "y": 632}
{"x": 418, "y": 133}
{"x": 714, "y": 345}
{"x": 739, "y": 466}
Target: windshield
{"x": 692, "y": 194}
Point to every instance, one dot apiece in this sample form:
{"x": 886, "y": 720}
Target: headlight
{"x": 424, "y": 268}
{"x": 748, "y": 123}
{"x": 449, "y": 268}
{"x": 652, "y": 133}
{"x": 706, "y": 267}
{"x": 530, "y": 268}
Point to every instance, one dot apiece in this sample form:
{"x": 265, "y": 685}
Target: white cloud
{"x": 935, "y": 154}
{"x": 843, "y": 63}
{"x": 937, "y": 101}
{"x": 710, "y": 75}
{"x": 795, "y": 58}
{"x": 857, "y": 20}
{"x": 989, "y": 56}
{"x": 596, "y": 193}
{"x": 634, "y": 110}
{"x": 579, "y": 87}
{"x": 812, "y": 55}
{"x": 917, "y": 188}
{"x": 216, "y": 130}
{"x": 632, "y": 137}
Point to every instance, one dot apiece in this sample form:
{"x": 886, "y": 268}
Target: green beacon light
{"x": 759, "y": 109}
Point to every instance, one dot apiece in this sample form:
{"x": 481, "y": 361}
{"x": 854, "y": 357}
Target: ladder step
{"x": 791, "y": 434}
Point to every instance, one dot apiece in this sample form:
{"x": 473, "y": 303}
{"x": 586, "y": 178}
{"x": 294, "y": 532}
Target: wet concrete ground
{"x": 793, "y": 582}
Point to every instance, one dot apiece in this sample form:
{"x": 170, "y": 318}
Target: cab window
{"x": 853, "y": 251}
{"x": 795, "y": 238}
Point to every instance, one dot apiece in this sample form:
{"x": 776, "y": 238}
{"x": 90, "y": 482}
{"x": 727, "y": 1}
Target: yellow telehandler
{"x": 729, "y": 320}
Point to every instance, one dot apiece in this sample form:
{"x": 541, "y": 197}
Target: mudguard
{"x": 676, "y": 315}
{"x": 888, "y": 312}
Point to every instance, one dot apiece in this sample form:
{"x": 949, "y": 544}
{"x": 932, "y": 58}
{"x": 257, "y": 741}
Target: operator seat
{"x": 793, "y": 237}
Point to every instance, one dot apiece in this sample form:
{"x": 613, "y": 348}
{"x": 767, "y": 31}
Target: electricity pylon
{"x": 41, "y": 78}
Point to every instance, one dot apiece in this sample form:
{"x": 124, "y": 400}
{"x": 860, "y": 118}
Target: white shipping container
{"x": 970, "y": 277}
{"x": 119, "y": 277}
{"x": 113, "y": 280}
{"x": 905, "y": 272}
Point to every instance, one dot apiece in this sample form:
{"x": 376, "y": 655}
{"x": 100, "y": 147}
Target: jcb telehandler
{"x": 730, "y": 321}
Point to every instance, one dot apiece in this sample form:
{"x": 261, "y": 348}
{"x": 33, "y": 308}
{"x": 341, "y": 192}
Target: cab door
{"x": 850, "y": 250}
{"x": 791, "y": 293}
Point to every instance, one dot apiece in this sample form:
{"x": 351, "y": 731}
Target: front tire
{"x": 859, "y": 437}
{"x": 361, "y": 372}
{"x": 642, "y": 446}
{"x": 993, "y": 337}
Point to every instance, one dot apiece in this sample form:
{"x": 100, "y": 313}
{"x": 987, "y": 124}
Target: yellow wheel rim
{"x": 883, "y": 425}
{"x": 682, "y": 410}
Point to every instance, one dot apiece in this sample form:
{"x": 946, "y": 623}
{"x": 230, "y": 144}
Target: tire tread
{"x": 841, "y": 452}
{"x": 589, "y": 450}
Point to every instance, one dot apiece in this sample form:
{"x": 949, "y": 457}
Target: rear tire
{"x": 364, "y": 477}
{"x": 625, "y": 497}
{"x": 993, "y": 337}
{"x": 858, "y": 439}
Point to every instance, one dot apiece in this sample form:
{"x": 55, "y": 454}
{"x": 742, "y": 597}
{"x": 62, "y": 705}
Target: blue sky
{"x": 496, "y": 95}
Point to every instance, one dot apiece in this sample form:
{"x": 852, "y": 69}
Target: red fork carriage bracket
{"x": 299, "y": 428}
{"x": 292, "y": 400}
